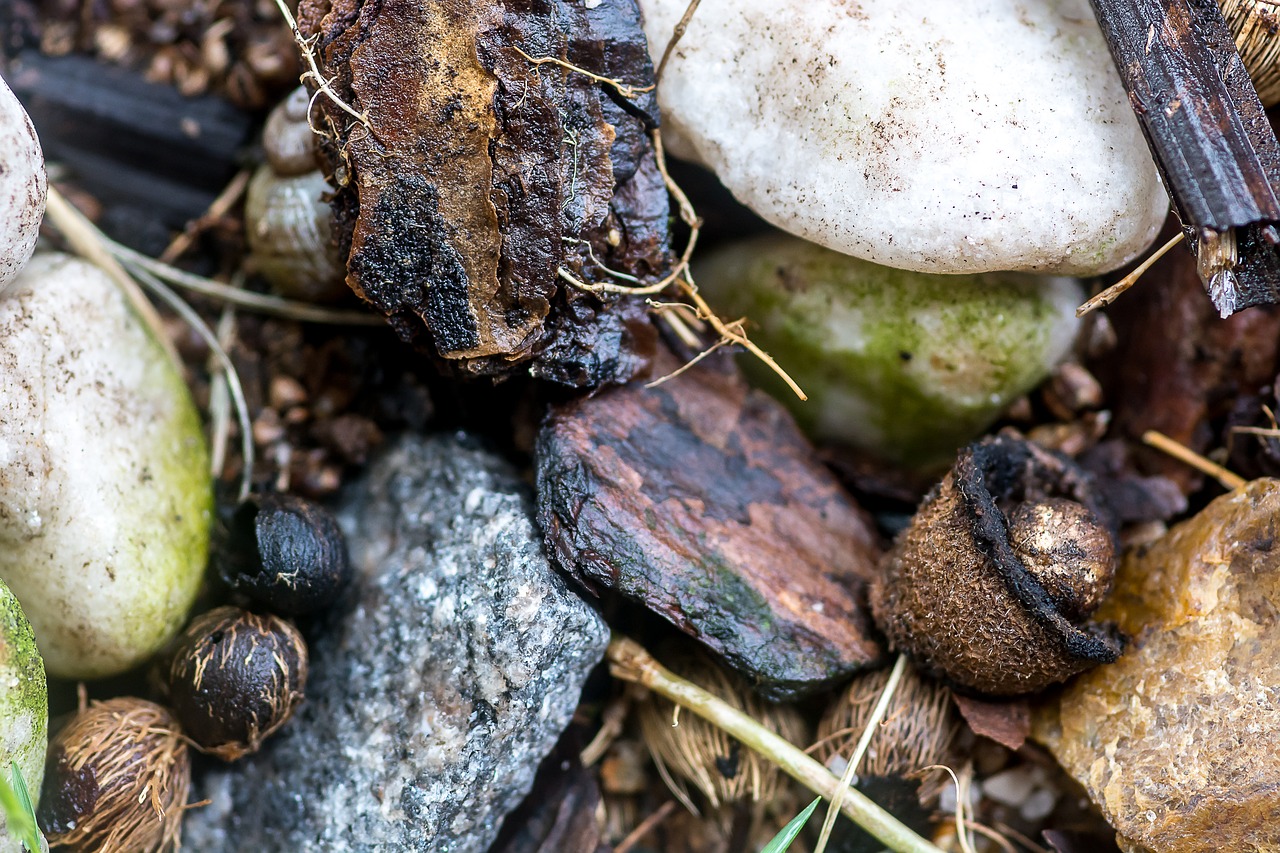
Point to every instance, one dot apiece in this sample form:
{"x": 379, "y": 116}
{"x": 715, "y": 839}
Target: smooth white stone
{"x": 22, "y": 186}
{"x": 967, "y": 136}
{"x": 106, "y": 499}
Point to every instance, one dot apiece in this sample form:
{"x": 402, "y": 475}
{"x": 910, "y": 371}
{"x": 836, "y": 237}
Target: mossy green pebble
{"x": 24, "y": 704}
{"x": 905, "y": 365}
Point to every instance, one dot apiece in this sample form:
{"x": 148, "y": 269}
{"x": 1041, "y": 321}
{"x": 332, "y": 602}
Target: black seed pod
{"x": 285, "y": 553}
{"x": 236, "y": 677}
{"x": 992, "y": 585}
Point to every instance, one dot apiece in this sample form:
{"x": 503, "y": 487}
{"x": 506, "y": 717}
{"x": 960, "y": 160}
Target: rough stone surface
{"x": 970, "y": 136}
{"x": 1176, "y": 742}
{"x": 438, "y": 689}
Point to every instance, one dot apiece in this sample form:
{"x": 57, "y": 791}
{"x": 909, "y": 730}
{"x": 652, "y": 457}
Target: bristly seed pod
{"x": 1255, "y": 26}
{"x": 699, "y": 754}
{"x": 915, "y": 733}
{"x": 116, "y": 779}
{"x": 990, "y": 586}
{"x": 234, "y": 678}
{"x": 286, "y": 553}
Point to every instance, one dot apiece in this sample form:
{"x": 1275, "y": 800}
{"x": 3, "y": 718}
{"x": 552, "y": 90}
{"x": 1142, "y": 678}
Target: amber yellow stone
{"x": 1179, "y": 741}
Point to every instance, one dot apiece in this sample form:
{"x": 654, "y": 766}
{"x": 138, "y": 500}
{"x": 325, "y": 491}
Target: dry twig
{"x": 629, "y": 661}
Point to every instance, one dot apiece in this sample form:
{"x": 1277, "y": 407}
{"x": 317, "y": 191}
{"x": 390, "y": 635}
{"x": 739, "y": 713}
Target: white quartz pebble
{"x": 105, "y": 491}
{"x": 966, "y": 136}
{"x": 22, "y": 186}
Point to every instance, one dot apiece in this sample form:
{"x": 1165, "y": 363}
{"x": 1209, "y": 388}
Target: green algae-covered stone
{"x": 906, "y": 365}
{"x": 24, "y": 704}
{"x": 105, "y": 490}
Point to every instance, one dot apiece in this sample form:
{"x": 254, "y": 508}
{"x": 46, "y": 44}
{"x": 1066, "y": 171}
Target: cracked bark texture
{"x": 481, "y": 174}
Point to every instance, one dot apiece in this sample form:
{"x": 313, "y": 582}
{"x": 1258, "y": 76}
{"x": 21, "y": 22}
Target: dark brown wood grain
{"x": 701, "y": 500}
{"x": 1207, "y": 131}
{"x": 480, "y": 175}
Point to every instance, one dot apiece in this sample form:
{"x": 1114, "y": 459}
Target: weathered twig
{"x": 1209, "y": 136}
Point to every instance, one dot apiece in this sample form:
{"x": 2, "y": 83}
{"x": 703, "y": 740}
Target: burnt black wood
{"x": 1206, "y": 128}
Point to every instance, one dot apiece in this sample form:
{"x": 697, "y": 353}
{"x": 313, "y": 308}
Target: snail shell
{"x": 287, "y": 219}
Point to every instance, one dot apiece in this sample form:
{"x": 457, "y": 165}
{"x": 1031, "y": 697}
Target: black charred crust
{"x": 1003, "y": 470}
{"x": 286, "y": 553}
{"x": 414, "y": 263}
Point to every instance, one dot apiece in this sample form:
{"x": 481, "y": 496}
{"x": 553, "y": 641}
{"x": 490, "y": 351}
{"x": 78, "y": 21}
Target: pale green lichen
{"x": 907, "y": 365}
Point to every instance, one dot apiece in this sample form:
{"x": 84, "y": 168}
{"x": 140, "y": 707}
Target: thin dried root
{"x": 676, "y": 34}
{"x": 628, "y": 661}
{"x": 305, "y": 45}
{"x": 1229, "y": 479}
{"x": 625, "y": 90}
{"x": 687, "y": 365}
{"x": 1112, "y": 293}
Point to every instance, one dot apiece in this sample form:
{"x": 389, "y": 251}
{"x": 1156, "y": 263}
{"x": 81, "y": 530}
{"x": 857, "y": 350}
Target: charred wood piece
{"x": 1209, "y": 136}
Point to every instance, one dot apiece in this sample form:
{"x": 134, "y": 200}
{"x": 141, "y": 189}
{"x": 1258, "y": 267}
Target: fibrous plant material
{"x": 235, "y": 678}
{"x": 1209, "y": 136}
{"x": 116, "y": 780}
{"x": 1255, "y": 25}
{"x": 497, "y": 152}
{"x": 991, "y": 586}
{"x": 916, "y": 731}
{"x": 698, "y": 754}
{"x": 700, "y": 500}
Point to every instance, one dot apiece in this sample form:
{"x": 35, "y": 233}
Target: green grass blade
{"x": 783, "y": 839}
{"x": 25, "y": 827}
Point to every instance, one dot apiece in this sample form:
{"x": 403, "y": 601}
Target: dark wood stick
{"x": 1210, "y": 138}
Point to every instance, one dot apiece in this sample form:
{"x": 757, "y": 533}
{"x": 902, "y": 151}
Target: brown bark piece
{"x": 701, "y": 500}
{"x": 1007, "y": 723}
{"x": 1179, "y": 368}
{"x": 479, "y": 175}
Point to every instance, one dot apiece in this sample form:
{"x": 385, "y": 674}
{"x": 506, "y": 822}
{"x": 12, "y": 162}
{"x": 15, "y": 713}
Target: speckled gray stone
{"x": 454, "y": 668}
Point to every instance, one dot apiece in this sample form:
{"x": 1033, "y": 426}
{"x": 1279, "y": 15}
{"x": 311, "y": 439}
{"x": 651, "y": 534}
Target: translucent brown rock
{"x": 477, "y": 175}
{"x": 1176, "y": 742}
{"x": 700, "y": 499}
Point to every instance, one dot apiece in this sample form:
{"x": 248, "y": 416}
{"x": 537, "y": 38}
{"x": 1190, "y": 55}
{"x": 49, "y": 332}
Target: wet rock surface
{"x": 437, "y": 690}
{"x": 1176, "y": 741}
{"x": 700, "y": 499}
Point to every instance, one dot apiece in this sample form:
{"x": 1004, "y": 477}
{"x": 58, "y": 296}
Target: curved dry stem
{"x": 624, "y": 89}
{"x": 260, "y": 303}
{"x": 187, "y": 313}
{"x": 629, "y": 661}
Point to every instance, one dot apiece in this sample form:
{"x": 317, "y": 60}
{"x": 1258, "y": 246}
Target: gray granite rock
{"x": 453, "y": 669}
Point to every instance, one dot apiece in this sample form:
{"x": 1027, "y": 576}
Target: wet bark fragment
{"x": 700, "y": 500}
{"x": 481, "y": 174}
{"x": 1210, "y": 138}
